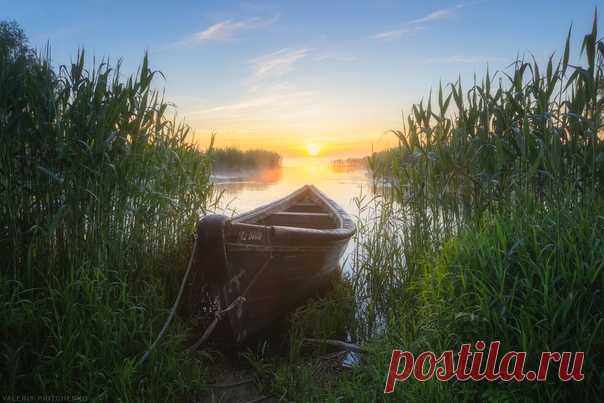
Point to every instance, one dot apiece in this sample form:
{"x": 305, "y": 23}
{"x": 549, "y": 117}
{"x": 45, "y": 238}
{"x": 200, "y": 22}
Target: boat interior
{"x": 305, "y": 210}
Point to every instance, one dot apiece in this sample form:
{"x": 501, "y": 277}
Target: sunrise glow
{"x": 334, "y": 91}
{"x": 313, "y": 149}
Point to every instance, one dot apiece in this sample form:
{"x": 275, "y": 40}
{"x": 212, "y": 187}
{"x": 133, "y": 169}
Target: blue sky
{"x": 285, "y": 74}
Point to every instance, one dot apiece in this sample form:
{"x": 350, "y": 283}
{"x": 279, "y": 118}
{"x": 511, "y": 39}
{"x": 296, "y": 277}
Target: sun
{"x": 313, "y": 149}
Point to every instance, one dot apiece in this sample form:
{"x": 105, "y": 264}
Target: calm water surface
{"x": 243, "y": 194}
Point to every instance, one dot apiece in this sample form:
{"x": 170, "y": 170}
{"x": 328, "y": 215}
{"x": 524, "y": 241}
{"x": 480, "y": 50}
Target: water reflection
{"x": 232, "y": 184}
{"x": 241, "y": 193}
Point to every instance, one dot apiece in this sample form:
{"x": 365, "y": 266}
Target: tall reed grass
{"x": 99, "y": 193}
{"x": 492, "y": 228}
{"x": 528, "y": 129}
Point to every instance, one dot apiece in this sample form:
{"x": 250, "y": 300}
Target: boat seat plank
{"x": 300, "y": 219}
{"x": 294, "y": 213}
{"x": 305, "y": 207}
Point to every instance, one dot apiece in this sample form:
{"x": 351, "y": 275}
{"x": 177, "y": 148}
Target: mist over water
{"x": 241, "y": 193}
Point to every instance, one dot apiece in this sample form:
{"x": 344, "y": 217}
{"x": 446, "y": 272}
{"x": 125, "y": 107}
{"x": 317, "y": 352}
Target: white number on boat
{"x": 245, "y": 236}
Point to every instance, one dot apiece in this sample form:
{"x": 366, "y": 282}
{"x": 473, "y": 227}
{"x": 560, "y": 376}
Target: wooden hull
{"x": 292, "y": 274}
{"x": 276, "y": 267}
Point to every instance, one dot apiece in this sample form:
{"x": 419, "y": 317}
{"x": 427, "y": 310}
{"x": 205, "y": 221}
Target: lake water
{"x": 243, "y": 194}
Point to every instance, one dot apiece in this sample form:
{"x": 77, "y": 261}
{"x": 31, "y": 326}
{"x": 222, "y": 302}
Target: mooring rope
{"x": 237, "y": 301}
{"x": 173, "y": 311}
{"x": 218, "y": 315}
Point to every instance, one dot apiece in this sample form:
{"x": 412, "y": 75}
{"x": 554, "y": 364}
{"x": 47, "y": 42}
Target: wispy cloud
{"x": 242, "y": 105}
{"x": 276, "y": 64}
{"x": 227, "y": 30}
{"x": 327, "y": 57}
{"x": 272, "y": 99}
{"x": 268, "y": 93}
{"x": 420, "y": 23}
{"x": 392, "y": 35}
{"x": 442, "y": 14}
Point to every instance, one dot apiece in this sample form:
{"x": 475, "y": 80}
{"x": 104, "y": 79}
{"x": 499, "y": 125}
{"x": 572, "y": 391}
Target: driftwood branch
{"x": 355, "y": 348}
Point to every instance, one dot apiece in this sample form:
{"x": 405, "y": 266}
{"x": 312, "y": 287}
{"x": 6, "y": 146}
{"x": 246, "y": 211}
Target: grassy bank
{"x": 492, "y": 230}
{"x": 99, "y": 193}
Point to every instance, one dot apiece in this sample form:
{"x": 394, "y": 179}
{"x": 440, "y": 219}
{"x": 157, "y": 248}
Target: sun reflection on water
{"x": 243, "y": 194}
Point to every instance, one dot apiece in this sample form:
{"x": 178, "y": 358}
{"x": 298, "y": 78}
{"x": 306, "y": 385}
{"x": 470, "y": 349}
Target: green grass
{"x": 99, "y": 194}
{"x": 530, "y": 276}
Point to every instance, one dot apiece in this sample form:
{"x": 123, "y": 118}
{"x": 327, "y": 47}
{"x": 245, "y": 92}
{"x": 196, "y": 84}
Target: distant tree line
{"x": 228, "y": 159}
{"x": 348, "y": 164}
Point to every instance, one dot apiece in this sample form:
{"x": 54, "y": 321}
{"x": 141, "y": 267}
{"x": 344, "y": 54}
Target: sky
{"x": 332, "y": 77}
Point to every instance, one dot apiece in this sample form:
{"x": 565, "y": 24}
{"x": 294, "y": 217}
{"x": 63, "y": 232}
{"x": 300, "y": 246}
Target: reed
{"x": 99, "y": 193}
{"x": 532, "y": 133}
{"x": 528, "y": 129}
{"x": 490, "y": 230}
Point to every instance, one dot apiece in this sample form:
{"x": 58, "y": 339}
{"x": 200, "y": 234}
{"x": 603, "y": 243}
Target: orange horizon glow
{"x": 299, "y": 146}
{"x": 337, "y": 133}
{"x": 313, "y": 149}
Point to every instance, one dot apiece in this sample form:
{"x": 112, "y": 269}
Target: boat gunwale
{"x": 344, "y": 229}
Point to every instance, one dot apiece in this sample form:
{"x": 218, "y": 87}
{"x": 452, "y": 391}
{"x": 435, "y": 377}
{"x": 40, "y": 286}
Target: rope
{"x": 218, "y": 315}
{"x": 173, "y": 311}
{"x": 238, "y": 301}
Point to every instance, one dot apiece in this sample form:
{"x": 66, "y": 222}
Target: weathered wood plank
{"x": 301, "y": 220}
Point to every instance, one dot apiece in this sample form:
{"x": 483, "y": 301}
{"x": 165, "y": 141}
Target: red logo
{"x": 469, "y": 365}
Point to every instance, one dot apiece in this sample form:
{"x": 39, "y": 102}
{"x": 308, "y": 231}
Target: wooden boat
{"x": 274, "y": 257}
